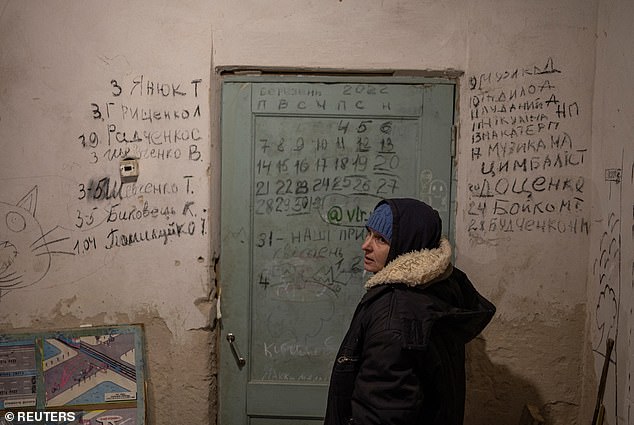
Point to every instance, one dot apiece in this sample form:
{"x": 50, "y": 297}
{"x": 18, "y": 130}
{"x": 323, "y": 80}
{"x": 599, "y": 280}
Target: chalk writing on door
{"x": 321, "y": 157}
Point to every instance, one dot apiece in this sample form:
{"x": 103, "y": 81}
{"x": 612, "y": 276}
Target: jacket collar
{"x": 416, "y": 269}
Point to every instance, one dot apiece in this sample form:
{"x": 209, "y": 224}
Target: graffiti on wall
{"x": 528, "y": 164}
{"x": 614, "y": 288}
{"x": 26, "y": 250}
{"x": 156, "y": 123}
{"x": 607, "y": 264}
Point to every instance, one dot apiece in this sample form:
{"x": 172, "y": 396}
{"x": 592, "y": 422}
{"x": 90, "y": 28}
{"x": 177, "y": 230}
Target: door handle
{"x": 234, "y": 349}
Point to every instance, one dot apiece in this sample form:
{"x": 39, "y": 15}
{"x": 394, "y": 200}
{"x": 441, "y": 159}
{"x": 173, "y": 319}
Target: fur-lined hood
{"x": 409, "y": 330}
{"x": 418, "y": 268}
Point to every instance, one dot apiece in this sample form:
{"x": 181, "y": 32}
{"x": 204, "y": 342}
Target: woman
{"x": 402, "y": 360}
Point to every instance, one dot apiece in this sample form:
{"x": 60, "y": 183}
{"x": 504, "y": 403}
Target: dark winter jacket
{"x": 402, "y": 361}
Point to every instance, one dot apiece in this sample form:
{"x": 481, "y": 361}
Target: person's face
{"x": 376, "y": 249}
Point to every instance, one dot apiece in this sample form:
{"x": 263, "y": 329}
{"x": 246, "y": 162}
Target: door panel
{"x": 303, "y": 164}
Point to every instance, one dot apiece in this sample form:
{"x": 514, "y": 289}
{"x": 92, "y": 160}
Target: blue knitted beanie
{"x": 381, "y": 221}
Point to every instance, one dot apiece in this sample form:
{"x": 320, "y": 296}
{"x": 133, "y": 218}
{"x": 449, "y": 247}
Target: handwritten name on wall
{"x": 161, "y": 125}
{"x": 528, "y": 163}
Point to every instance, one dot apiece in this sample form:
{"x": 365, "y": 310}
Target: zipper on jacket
{"x": 345, "y": 359}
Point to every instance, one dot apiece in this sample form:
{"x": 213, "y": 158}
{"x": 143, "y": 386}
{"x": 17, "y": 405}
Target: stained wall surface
{"x": 611, "y": 272}
{"x": 85, "y": 85}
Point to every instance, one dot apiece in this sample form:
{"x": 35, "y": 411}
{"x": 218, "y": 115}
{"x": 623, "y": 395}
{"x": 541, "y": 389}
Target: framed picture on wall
{"x": 84, "y": 376}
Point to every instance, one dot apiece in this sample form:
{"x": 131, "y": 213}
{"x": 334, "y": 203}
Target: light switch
{"x": 129, "y": 170}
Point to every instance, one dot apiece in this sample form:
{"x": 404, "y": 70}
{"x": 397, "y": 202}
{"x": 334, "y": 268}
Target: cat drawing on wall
{"x": 25, "y": 256}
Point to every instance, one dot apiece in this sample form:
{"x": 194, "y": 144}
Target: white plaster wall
{"x": 611, "y": 287}
{"x": 61, "y": 59}
{"x": 58, "y": 57}
{"x": 108, "y": 257}
{"x": 341, "y": 34}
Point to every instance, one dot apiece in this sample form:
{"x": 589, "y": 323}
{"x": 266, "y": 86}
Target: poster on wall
{"x": 95, "y": 375}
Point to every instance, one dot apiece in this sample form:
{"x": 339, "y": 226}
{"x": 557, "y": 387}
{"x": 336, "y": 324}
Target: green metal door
{"x": 304, "y": 161}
